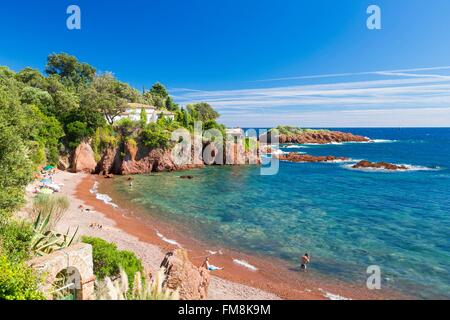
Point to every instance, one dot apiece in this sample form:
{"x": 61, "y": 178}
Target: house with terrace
{"x": 133, "y": 112}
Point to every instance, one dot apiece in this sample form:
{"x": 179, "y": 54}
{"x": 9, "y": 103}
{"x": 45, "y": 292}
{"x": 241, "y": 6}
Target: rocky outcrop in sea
{"x": 298, "y": 157}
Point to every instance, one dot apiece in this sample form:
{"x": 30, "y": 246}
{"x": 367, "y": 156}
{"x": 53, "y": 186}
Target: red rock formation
{"x": 379, "y": 165}
{"x": 83, "y": 159}
{"x": 321, "y": 137}
{"x": 144, "y": 160}
{"x": 141, "y": 160}
{"x": 63, "y": 163}
{"x": 107, "y": 162}
{"x": 297, "y": 157}
{"x": 191, "y": 281}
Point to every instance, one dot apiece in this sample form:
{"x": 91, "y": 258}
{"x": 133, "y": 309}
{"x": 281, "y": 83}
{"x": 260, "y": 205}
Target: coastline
{"x": 114, "y": 229}
{"x": 151, "y": 239}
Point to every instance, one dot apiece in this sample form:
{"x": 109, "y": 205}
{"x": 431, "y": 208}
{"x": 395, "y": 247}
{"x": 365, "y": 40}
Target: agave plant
{"x": 45, "y": 241}
{"x": 142, "y": 290}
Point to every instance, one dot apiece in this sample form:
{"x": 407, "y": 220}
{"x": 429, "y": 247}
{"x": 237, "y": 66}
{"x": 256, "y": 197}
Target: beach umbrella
{"x": 47, "y": 168}
{"x": 46, "y": 181}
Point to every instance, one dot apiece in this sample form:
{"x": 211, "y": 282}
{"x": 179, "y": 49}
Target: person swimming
{"x": 209, "y": 266}
{"x": 304, "y": 261}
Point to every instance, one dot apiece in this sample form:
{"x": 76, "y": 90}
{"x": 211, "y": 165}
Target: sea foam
{"x": 245, "y": 264}
{"x": 382, "y": 141}
{"x": 332, "y": 296}
{"x": 102, "y": 197}
{"x": 410, "y": 168}
{"x": 163, "y": 238}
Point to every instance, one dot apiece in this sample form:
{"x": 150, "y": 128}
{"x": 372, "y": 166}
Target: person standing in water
{"x": 304, "y": 261}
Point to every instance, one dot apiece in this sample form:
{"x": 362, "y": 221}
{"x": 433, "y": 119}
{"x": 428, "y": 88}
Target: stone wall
{"x": 77, "y": 260}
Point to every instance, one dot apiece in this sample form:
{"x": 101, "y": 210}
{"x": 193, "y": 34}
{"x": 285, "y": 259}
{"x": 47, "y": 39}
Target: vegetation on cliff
{"x": 45, "y": 116}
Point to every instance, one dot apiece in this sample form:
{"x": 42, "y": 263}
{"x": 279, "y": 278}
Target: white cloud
{"x": 413, "y": 99}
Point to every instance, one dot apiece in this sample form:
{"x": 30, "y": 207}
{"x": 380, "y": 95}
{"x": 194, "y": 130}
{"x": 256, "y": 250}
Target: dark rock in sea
{"x": 378, "y": 165}
{"x": 298, "y": 157}
{"x": 186, "y": 177}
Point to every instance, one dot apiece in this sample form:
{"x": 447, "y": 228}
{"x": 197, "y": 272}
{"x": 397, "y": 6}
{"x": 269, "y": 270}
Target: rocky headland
{"x": 309, "y": 136}
{"x": 135, "y": 158}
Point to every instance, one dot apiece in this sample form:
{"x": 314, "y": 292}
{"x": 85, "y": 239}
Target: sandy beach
{"x": 151, "y": 254}
{"x": 260, "y": 279}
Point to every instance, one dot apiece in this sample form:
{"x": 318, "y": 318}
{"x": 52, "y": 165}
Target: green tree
{"x": 76, "y": 131}
{"x": 143, "y": 118}
{"x": 71, "y": 71}
{"x": 32, "y": 77}
{"x": 49, "y": 132}
{"x": 158, "y": 90}
{"x": 37, "y": 97}
{"x": 16, "y": 167}
{"x": 65, "y": 100}
{"x": 109, "y": 96}
{"x": 154, "y": 136}
{"x": 202, "y": 111}
{"x": 171, "y": 105}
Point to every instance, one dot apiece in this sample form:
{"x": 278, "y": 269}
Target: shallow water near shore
{"x": 346, "y": 219}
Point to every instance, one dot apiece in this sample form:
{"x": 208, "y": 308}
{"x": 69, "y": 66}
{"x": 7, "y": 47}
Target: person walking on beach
{"x": 304, "y": 261}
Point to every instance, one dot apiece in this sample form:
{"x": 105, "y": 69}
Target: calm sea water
{"x": 345, "y": 218}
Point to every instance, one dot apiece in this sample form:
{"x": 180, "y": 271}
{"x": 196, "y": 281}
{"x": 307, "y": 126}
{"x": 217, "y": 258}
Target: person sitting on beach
{"x": 304, "y": 261}
{"x": 210, "y": 267}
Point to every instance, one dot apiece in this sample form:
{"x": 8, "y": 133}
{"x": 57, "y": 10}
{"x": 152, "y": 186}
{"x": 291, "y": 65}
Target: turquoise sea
{"x": 345, "y": 218}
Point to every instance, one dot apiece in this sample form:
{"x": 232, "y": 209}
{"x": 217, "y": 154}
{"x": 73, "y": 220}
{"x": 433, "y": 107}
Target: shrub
{"x": 108, "y": 259}
{"x": 155, "y": 137}
{"x": 75, "y": 132}
{"x": 50, "y": 205}
{"x": 131, "y": 142}
{"x": 15, "y": 239}
{"x": 126, "y": 126}
{"x": 18, "y": 282}
{"x": 104, "y": 138}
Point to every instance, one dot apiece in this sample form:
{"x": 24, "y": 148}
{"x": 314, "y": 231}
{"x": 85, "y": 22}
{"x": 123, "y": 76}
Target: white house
{"x": 133, "y": 112}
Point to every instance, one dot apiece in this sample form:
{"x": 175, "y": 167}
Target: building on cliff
{"x": 133, "y": 112}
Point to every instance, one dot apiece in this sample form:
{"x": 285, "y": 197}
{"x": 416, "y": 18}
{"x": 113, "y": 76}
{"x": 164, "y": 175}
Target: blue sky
{"x": 257, "y": 61}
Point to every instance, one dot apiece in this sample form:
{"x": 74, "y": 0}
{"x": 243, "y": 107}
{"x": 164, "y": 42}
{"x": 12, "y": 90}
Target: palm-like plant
{"x": 45, "y": 241}
{"x": 49, "y": 210}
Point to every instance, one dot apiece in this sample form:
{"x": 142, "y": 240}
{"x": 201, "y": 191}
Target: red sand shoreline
{"x": 286, "y": 284}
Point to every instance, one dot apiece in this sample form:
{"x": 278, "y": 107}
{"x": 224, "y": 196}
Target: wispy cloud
{"x": 407, "y": 90}
{"x": 336, "y": 75}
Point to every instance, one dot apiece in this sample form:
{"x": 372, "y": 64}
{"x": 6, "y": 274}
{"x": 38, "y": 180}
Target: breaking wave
{"x": 245, "y": 264}
{"x": 102, "y": 197}
{"x": 163, "y": 238}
